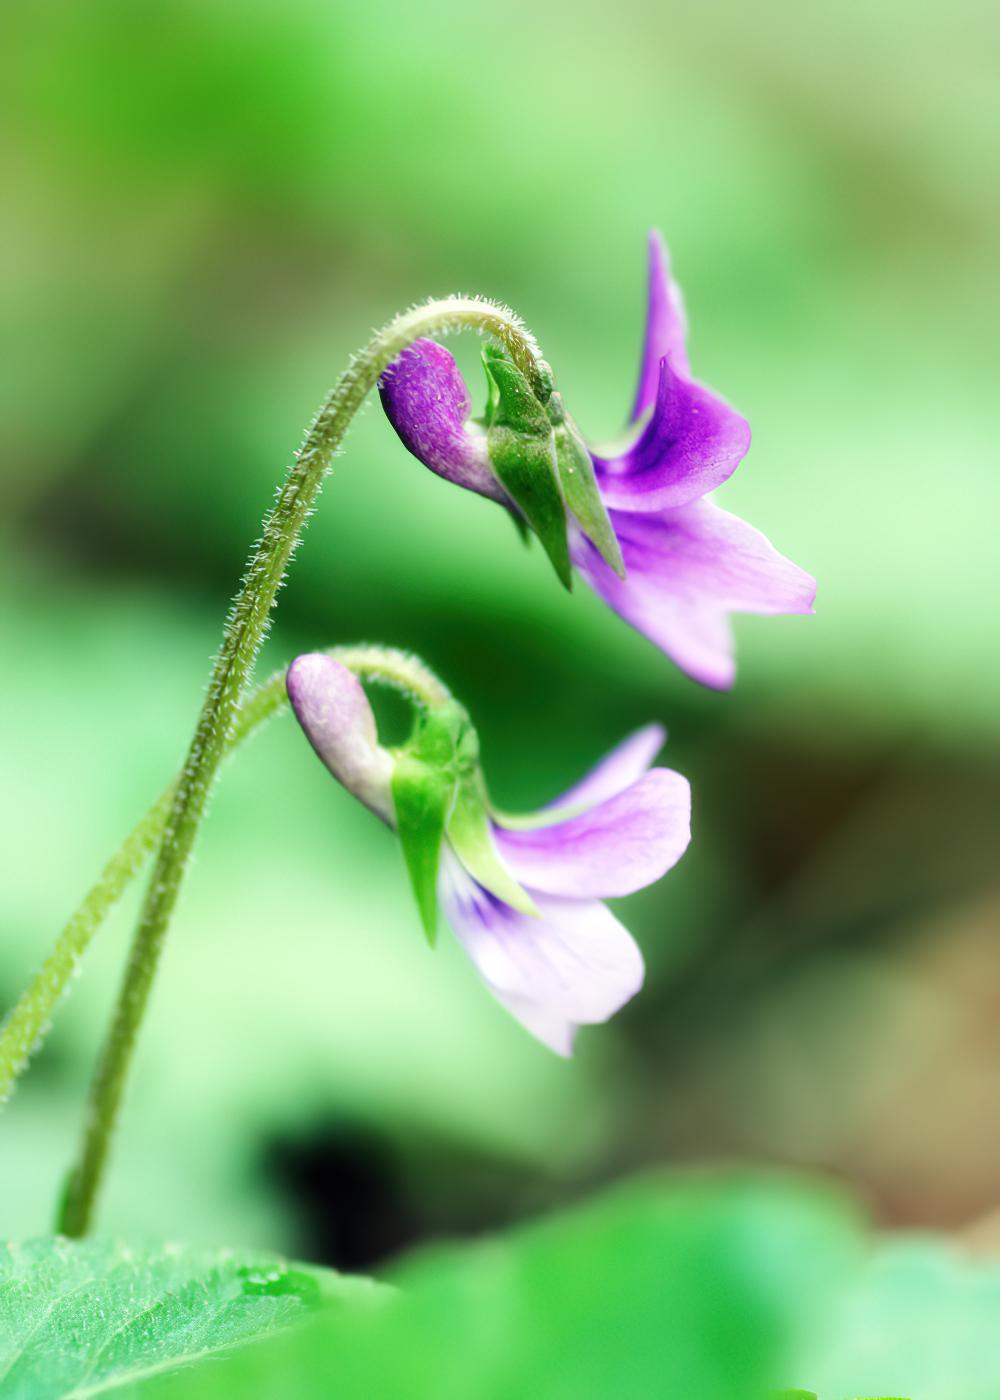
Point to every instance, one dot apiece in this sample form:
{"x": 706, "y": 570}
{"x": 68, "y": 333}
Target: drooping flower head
{"x": 636, "y": 520}
{"x": 524, "y": 896}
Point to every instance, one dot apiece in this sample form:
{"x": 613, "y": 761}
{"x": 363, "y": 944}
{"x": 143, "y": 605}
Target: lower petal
{"x": 687, "y": 569}
{"x": 550, "y": 1028}
{"x": 574, "y": 965}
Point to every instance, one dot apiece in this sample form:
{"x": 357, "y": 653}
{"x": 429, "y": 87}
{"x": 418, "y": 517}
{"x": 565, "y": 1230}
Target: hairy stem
{"x": 28, "y": 1021}
{"x": 242, "y": 639}
{"x": 25, "y": 1027}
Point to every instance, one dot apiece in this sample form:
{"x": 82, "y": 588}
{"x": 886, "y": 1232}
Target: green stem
{"x": 28, "y": 1022}
{"x": 26, "y": 1025}
{"x": 242, "y": 639}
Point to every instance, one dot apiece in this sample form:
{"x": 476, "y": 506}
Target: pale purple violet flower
{"x": 689, "y": 564}
{"x": 617, "y": 831}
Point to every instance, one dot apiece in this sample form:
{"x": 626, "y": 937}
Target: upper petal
{"x": 617, "y": 770}
{"x": 426, "y": 401}
{"x": 619, "y": 846}
{"x": 666, "y": 326}
{"x": 574, "y": 965}
{"x": 692, "y": 443}
{"x": 686, "y": 570}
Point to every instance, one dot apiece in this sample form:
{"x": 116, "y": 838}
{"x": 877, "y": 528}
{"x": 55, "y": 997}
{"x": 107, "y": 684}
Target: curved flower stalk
{"x": 636, "y": 520}
{"x": 524, "y": 896}
{"x": 243, "y": 636}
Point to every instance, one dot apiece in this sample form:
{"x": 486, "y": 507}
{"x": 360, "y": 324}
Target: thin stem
{"x": 399, "y": 669}
{"x": 26, "y": 1025}
{"x": 242, "y": 639}
{"x": 28, "y": 1022}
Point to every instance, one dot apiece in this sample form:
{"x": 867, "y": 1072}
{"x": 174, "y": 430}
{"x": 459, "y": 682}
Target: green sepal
{"x": 424, "y": 781}
{"x": 522, "y": 452}
{"x": 488, "y": 354}
{"x": 438, "y": 790}
{"x": 422, "y": 795}
{"x": 470, "y": 834}
{"x": 579, "y": 485}
{"x": 521, "y": 526}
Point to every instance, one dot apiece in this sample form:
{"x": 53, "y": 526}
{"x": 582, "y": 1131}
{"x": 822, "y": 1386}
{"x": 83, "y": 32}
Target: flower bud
{"x": 333, "y": 710}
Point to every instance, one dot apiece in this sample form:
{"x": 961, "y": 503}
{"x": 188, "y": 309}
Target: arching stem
{"x": 242, "y": 639}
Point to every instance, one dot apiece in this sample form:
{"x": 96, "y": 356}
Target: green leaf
{"x": 523, "y": 454}
{"x": 579, "y": 485}
{"x": 920, "y": 1320}
{"x": 88, "y": 1318}
{"x": 685, "y": 1288}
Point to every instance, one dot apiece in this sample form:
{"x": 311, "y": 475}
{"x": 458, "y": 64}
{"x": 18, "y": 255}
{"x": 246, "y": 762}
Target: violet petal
{"x": 574, "y": 965}
{"x": 666, "y": 326}
{"x": 547, "y": 1026}
{"x": 693, "y": 443}
{"x": 617, "y": 770}
{"x": 687, "y": 569}
{"x": 613, "y": 849}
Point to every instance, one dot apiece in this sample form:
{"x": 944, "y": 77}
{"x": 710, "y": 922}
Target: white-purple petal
{"x": 333, "y": 710}
{"x": 574, "y": 965}
{"x": 426, "y": 401}
{"x": 687, "y": 569}
{"x": 666, "y": 326}
{"x": 692, "y": 443}
{"x": 617, "y": 770}
{"x": 547, "y": 1026}
{"x": 613, "y": 849}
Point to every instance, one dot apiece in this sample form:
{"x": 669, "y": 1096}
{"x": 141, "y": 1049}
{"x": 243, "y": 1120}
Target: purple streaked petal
{"x": 333, "y": 710}
{"x": 666, "y": 326}
{"x": 620, "y": 846}
{"x": 426, "y": 401}
{"x": 692, "y": 444}
{"x": 617, "y": 770}
{"x": 687, "y": 569}
{"x": 574, "y": 965}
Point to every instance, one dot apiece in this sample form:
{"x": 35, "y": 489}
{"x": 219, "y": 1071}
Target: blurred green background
{"x": 208, "y": 207}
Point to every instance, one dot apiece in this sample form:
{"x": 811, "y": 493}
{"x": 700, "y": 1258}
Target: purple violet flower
{"x": 688, "y": 564}
{"x": 623, "y": 826}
